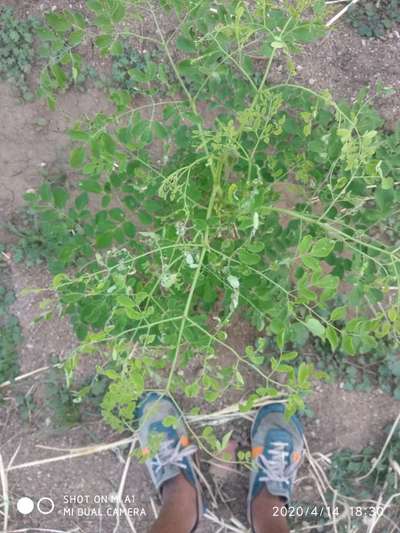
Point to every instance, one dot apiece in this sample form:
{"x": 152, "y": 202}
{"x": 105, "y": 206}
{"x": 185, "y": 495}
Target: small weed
{"x": 10, "y": 337}
{"x": 372, "y": 18}
{"x": 129, "y": 59}
{"x": 26, "y": 406}
{"x": 129, "y": 67}
{"x": 87, "y": 73}
{"x": 30, "y": 247}
{"x": 10, "y": 331}
{"x": 16, "y": 50}
{"x": 60, "y": 400}
{"x": 354, "y": 500}
{"x": 347, "y": 467}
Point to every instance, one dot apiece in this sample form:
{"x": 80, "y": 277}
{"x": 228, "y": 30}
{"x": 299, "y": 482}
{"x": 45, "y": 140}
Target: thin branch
{"x": 6, "y": 503}
{"x": 389, "y": 437}
{"x": 341, "y": 13}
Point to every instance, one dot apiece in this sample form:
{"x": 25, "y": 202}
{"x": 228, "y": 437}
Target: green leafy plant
{"x": 16, "y": 50}
{"x": 130, "y": 65}
{"x": 236, "y": 200}
{"x": 374, "y": 18}
{"x": 368, "y": 479}
{"x": 10, "y": 331}
{"x": 129, "y": 59}
{"x": 60, "y": 400}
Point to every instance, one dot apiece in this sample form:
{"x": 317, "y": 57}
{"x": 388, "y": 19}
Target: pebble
{"x": 311, "y": 81}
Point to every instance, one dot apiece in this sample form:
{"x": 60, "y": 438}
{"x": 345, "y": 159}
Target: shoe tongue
{"x": 278, "y": 436}
{"x": 278, "y": 488}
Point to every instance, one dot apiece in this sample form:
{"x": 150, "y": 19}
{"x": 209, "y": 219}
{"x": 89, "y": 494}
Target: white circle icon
{"x": 48, "y": 502}
{"x": 25, "y": 505}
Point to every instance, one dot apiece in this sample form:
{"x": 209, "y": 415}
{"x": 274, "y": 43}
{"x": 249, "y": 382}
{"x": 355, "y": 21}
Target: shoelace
{"x": 172, "y": 455}
{"x": 275, "y": 468}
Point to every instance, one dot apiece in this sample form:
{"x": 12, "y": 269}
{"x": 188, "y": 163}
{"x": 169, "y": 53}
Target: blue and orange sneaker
{"x": 277, "y": 448}
{"x": 173, "y": 452}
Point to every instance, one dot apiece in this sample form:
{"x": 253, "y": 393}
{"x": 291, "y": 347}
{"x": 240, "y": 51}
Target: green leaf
{"x": 104, "y": 41}
{"x": 117, "y": 48}
{"x": 76, "y": 37}
{"x": 185, "y": 44}
{"x": 94, "y": 5}
{"x": 118, "y": 13}
{"x": 278, "y": 44}
{"x": 160, "y": 130}
{"x": 106, "y": 200}
{"x": 82, "y": 201}
{"x": 289, "y": 356}
{"x": 60, "y": 196}
{"x": 308, "y": 32}
{"x": 322, "y": 248}
{"x": 108, "y": 143}
{"x": 299, "y": 334}
{"x": 78, "y": 135}
{"x": 77, "y": 157}
{"x": 116, "y": 213}
{"x": 129, "y": 229}
{"x": 170, "y": 421}
{"x": 248, "y": 258}
{"x": 104, "y": 240}
{"x": 339, "y": 313}
{"x": 59, "y": 21}
{"x": 332, "y": 337}
{"x": 387, "y": 183}
{"x": 124, "y": 300}
{"x": 90, "y": 186}
{"x": 45, "y": 192}
{"x": 384, "y": 199}
{"x": 60, "y": 75}
{"x": 315, "y": 327}
{"x": 303, "y": 373}
{"x": 305, "y": 244}
{"x": 348, "y": 344}
{"x": 145, "y": 218}
{"x": 138, "y": 382}
{"x": 311, "y": 262}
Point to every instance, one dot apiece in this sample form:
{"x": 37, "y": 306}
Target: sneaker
{"x": 277, "y": 448}
{"x": 175, "y": 455}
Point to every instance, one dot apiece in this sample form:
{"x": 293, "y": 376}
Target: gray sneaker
{"x": 277, "y": 448}
{"x": 172, "y": 453}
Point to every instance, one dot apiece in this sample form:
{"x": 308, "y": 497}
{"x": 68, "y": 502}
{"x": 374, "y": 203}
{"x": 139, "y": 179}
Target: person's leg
{"x": 277, "y": 448}
{"x": 169, "y": 457}
{"x": 179, "y": 509}
{"x": 267, "y": 514}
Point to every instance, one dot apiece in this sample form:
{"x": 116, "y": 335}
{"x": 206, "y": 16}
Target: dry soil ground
{"x": 342, "y": 62}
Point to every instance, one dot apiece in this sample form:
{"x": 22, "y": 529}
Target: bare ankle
{"x": 267, "y": 515}
{"x": 180, "y": 487}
